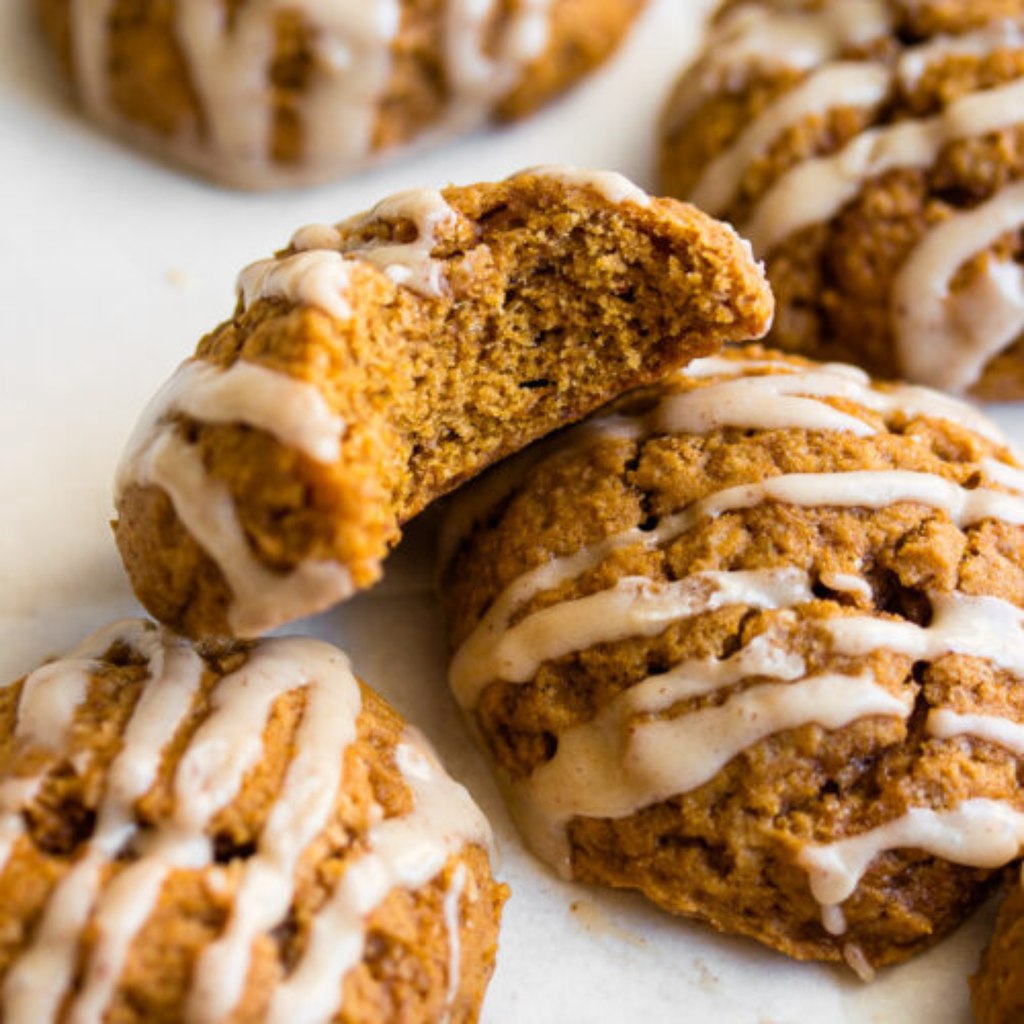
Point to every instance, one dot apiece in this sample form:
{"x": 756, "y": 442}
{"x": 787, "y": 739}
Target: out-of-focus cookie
{"x": 259, "y": 94}
{"x": 997, "y": 989}
{"x": 751, "y": 644}
{"x": 873, "y": 152}
{"x": 231, "y": 831}
{"x": 375, "y": 365}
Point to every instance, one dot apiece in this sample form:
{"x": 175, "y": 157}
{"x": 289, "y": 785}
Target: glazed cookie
{"x": 873, "y": 153}
{"x": 265, "y": 95}
{"x": 373, "y": 366}
{"x": 998, "y": 987}
{"x": 231, "y": 831}
{"x": 750, "y": 645}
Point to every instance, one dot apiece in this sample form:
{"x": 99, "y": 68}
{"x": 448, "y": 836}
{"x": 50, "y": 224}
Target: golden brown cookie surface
{"x": 373, "y": 366}
{"x": 997, "y": 989}
{"x": 231, "y": 830}
{"x": 749, "y": 644}
{"x": 873, "y": 152}
{"x": 265, "y": 95}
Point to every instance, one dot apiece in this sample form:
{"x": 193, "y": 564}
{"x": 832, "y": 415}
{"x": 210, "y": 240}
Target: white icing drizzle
{"x": 1005, "y": 474}
{"x": 793, "y": 401}
{"x": 857, "y": 961}
{"x": 848, "y": 583}
{"x": 866, "y": 489}
{"x": 89, "y": 24}
{"x": 319, "y": 272}
{"x": 762, "y": 37}
{"x": 614, "y": 765}
{"x": 944, "y": 724}
{"x": 979, "y": 833}
{"x": 453, "y": 923}
{"x": 843, "y": 84}
{"x": 833, "y": 920}
{"x": 405, "y": 851}
{"x": 824, "y": 380}
{"x": 786, "y": 396}
{"x": 772, "y": 402}
{"x": 46, "y": 709}
{"x": 408, "y": 263}
{"x": 37, "y": 981}
{"x": 49, "y": 700}
{"x": 291, "y": 410}
{"x": 261, "y": 597}
{"x": 724, "y": 365}
{"x": 475, "y": 77}
{"x": 230, "y": 60}
{"x": 15, "y": 794}
{"x": 978, "y": 627}
{"x": 302, "y": 812}
{"x": 982, "y": 42}
{"x": 634, "y": 607}
{"x": 610, "y": 185}
{"x": 493, "y": 650}
{"x": 316, "y": 278}
{"x": 944, "y": 338}
{"x": 815, "y": 191}
{"x": 229, "y": 66}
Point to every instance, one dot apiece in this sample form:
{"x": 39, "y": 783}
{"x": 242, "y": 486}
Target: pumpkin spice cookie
{"x": 231, "y": 830}
{"x": 373, "y": 366}
{"x": 750, "y": 644}
{"x": 268, "y": 95}
{"x": 998, "y": 987}
{"x": 873, "y": 153}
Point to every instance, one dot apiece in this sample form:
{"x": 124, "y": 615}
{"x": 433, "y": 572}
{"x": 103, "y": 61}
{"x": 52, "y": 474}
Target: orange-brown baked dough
{"x": 373, "y": 366}
{"x": 269, "y": 95}
{"x": 231, "y": 831}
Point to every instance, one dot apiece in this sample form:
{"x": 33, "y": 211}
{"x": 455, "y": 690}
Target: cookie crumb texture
{"x": 231, "y": 831}
{"x": 873, "y": 152}
{"x": 749, "y": 643}
{"x": 268, "y": 95}
{"x": 998, "y": 987}
{"x": 375, "y": 365}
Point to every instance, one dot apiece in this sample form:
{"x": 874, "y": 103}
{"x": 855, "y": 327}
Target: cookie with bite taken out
{"x": 375, "y": 365}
